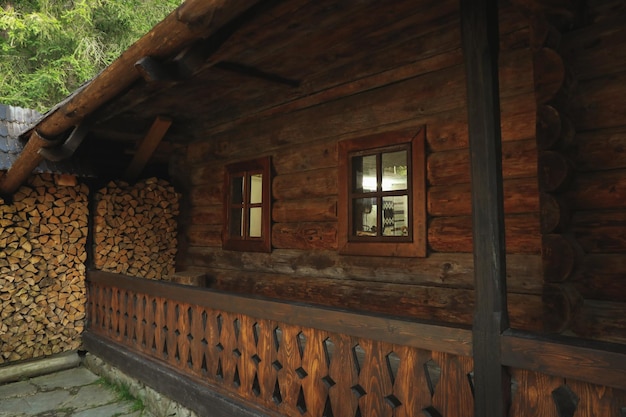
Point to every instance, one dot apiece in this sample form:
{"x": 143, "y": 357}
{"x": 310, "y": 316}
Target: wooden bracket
{"x": 147, "y": 146}
{"x": 152, "y": 70}
{"x": 68, "y": 147}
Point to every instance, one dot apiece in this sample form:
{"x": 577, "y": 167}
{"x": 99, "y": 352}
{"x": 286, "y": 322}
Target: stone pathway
{"x": 72, "y": 393}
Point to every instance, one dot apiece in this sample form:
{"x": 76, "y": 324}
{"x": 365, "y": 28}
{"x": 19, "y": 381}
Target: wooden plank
{"x": 479, "y": 25}
{"x": 596, "y": 362}
{"x": 454, "y": 340}
{"x": 147, "y": 146}
{"x": 533, "y": 396}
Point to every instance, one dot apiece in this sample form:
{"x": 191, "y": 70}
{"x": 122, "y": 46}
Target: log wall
{"x": 596, "y": 195}
{"x": 559, "y": 187}
{"x": 43, "y": 234}
{"x": 421, "y": 86}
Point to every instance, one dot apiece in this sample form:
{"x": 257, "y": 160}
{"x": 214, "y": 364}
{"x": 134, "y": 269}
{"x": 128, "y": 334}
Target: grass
{"x": 123, "y": 394}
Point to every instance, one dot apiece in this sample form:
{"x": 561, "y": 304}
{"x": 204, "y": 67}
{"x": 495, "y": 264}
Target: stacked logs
{"x": 561, "y": 254}
{"x": 42, "y": 271}
{"x": 135, "y": 228}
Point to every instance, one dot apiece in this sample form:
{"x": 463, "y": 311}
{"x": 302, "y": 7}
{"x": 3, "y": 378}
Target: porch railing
{"x": 299, "y": 360}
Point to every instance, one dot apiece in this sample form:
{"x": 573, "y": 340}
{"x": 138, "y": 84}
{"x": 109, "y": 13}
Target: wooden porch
{"x": 217, "y": 352}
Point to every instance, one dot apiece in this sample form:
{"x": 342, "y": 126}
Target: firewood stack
{"x": 135, "y": 228}
{"x": 42, "y": 269}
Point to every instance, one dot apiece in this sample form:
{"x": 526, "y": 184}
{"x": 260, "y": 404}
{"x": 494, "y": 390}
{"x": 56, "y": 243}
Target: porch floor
{"x": 75, "y": 392}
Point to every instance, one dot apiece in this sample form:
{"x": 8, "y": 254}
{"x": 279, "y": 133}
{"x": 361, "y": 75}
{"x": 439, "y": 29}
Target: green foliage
{"x": 48, "y": 48}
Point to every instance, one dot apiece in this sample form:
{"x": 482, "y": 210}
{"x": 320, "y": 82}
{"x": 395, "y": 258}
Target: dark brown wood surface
{"x": 524, "y": 274}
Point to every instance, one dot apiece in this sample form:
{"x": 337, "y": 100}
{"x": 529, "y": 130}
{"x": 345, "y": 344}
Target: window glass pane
{"x": 236, "y": 222}
{"x": 255, "y": 222}
{"x": 394, "y": 167}
{"x": 364, "y": 173}
{"x": 364, "y": 219}
{"x": 395, "y": 216}
{"x": 256, "y": 189}
{"x": 236, "y": 191}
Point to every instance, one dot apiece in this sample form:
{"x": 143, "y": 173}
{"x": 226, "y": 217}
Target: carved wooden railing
{"x": 299, "y": 360}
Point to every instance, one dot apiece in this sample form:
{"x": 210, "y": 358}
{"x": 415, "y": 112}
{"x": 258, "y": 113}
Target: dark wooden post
{"x": 479, "y": 22}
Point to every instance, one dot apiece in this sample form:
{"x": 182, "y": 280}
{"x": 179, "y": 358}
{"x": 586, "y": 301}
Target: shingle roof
{"x": 13, "y": 122}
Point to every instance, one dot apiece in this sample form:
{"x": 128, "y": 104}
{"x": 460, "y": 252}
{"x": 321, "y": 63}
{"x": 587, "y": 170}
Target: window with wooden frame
{"x": 247, "y": 206}
{"x": 381, "y": 206}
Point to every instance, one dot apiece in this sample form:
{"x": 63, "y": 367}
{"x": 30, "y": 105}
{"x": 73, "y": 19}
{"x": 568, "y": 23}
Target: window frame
{"x": 246, "y": 169}
{"x": 413, "y": 245}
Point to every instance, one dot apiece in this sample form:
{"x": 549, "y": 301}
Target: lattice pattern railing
{"x": 276, "y": 355}
{"x": 291, "y": 369}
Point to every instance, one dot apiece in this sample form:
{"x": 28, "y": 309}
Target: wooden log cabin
{"x": 399, "y": 208}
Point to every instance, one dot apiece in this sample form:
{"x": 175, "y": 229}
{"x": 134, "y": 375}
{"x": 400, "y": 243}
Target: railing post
{"x": 479, "y": 23}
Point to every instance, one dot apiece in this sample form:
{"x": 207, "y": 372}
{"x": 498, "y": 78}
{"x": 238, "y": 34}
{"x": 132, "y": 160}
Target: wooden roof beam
{"x": 147, "y": 147}
{"x": 193, "y": 20}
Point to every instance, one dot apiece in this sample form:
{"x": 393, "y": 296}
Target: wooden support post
{"x": 479, "y": 22}
{"x": 147, "y": 146}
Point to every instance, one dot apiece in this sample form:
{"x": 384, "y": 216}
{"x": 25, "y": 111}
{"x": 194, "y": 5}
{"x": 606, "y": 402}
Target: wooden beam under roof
{"x": 147, "y": 146}
{"x": 193, "y": 20}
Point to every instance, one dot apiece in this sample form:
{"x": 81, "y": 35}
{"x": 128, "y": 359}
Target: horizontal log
{"x": 524, "y": 273}
{"x": 454, "y": 234}
{"x": 601, "y": 320}
{"x": 599, "y": 150}
{"x": 519, "y": 160}
{"x": 200, "y": 215}
{"x": 520, "y": 196}
{"x": 600, "y": 231}
{"x": 597, "y": 103}
{"x": 398, "y": 101}
{"x": 599, "y": 363}
{"x": 206, "y": 194}
{"x": 598, "y": 190}
{"x": 204, "y": 235}
{"x": 445, "y": 305}
{"x": 307, "y": 184}
{"x": 597, "y": 49}
{"x": 305, "y": 235}
{"x": 306, "y": 210}
{"x": 448, "y": 131}
{"x": 602, "y": 277}
{"x": 317, "y": 155}
{"x": 453, "y": 339}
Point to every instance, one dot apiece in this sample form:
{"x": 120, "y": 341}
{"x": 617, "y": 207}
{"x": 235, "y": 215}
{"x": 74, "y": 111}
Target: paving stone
{"x": 108, "y": 410}
{"x": 16, "y": 389}
{"x": 34, "y": 404}
{"x": 65, "y": 379}
{"x": 90, "y": 396}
